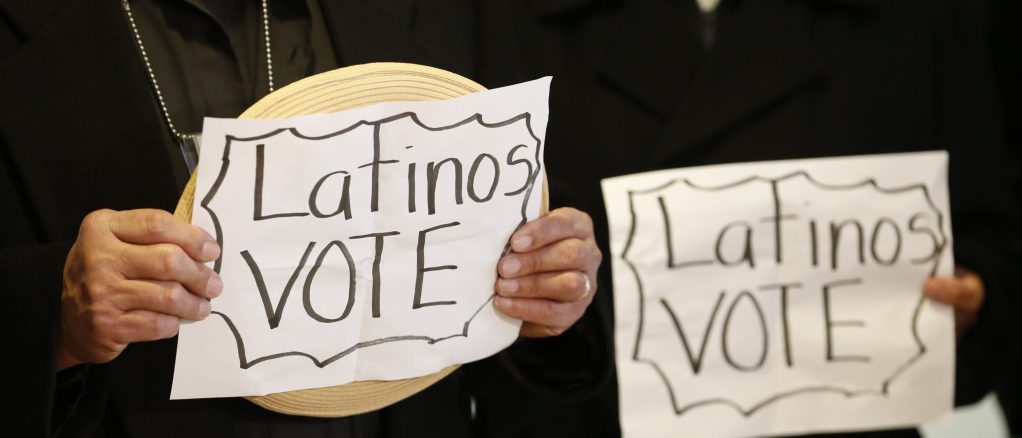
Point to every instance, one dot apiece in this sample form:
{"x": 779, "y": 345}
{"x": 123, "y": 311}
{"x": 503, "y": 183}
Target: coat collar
{"x": 765, "y": 54}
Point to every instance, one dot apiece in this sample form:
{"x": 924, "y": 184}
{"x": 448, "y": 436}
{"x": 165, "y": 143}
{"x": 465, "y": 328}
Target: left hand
{"x": 549, "y": 277}
{"x": 964, "y": 292}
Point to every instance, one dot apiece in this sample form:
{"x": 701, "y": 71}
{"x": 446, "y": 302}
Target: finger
{"x": 971, "y": 298}
{"x": 565, "y": 286}
{"x": 560, "y": 224}
{"x": 145, "y": 325}
{"x": 170, "y": 263}
{"x": 965, "y": 294}
{"x": 554, "y": 314}
{"x": 165, "y": 297}
{"x": 149, "y": 227}
{"x": 565, "y": 255}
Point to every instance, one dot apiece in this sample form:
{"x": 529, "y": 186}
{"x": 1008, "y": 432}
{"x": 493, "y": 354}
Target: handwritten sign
{"x": 360, "y": 245}
{"x": 781, "y": 297}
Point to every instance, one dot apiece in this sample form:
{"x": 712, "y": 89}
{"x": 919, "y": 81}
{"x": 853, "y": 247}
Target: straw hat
{"x": 337, "y": 90}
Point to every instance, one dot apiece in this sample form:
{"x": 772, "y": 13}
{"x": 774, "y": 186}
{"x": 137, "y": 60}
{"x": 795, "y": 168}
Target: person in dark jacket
{"x": 90, "y": 153}
{"x": 641, "y": 85}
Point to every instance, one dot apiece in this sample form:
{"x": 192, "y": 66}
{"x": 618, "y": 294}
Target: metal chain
{"x": 266, "y": 33}
{"x": 152, "y": 73}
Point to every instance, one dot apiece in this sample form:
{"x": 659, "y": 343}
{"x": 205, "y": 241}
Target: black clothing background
{"x": 224, "y": 41}
{"x": 1006, "y": 42}
{"x": 636, "y": 89}
{"x": 80, "y": 130}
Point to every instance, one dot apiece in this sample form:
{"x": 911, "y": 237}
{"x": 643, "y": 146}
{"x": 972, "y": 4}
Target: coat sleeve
{"x": 30, "y": 280}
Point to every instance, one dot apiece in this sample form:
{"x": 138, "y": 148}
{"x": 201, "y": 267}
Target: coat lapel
{"x": 764, "y": 56}
{"x": 653, "y": 53}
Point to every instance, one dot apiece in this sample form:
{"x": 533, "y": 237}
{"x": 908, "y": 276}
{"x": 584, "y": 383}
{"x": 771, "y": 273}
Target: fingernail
{"x": 214, "y": 286}
{"x": 507, "y": 287}
{"x": 502, "y": 302}
{"x": 210, "y": 250}
{"x": 204, "y": 309}
{"x": 521, "y": 243}
{"x": 511, "y": 265}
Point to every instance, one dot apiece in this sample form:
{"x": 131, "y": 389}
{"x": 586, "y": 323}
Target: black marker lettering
{"x": 835, "y": 241}
{"x": 876, "y": 237}
{"x": 376, "y": 266}
{"x": 785, "y": 324}
{"x": 669, "y": 241}
{"x": 432, "y": 173}
{"x": 830, "y": 323}
{"x": 765, "y": 345}
{"x": 420, "y": 268}
{"x": 814, "y": 243}
{"x": 776, "y": 219}
{"x": 694, "y": 359}
{"x": 411, "y": 187}
{"x": 273, "y": 314}
{"x": 472, "y": 178}
{"x": 257, "y": 195}
{"x": 747, "y": 256}
{"x": 307, "y": 290}
{"x": 343, "y": 205}
{"x": 528, "y": 174}
{"x": 938, "y": 245}
{"x": 375, "y": 164}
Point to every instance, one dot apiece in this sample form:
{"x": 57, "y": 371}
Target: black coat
{"x": 1006, "y": 42}
{"x": 80, "y": 130}
{"x": 634, "y": 90}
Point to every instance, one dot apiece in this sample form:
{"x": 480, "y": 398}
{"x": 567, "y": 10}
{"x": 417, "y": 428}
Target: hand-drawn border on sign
{"x": 478, "y": 118}
{"x": 746, "y": 412}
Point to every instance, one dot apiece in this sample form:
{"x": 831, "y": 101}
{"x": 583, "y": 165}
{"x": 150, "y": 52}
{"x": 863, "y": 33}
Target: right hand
{"x": 132, "y": 276}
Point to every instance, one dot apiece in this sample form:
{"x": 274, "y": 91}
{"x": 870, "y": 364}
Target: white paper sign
{"x": 360, "y": 245}
{"x": 781, "y": 297}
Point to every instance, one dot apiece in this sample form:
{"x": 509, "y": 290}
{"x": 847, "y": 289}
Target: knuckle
{"x": 527, "y": 285}
{"x": 156, "y": 223}
{"x": 94, "y": 289}
{"x": 530, "y": 262}
{"x": 171, "y": 259}
{"x": 102, "y": 326}
{"x": 95, "y": 260}
{"x": 170, "y": 300}
{"x": 566, "y": 225}
{"x": 597, "y": 254}
{"x": 577, "y": 251}
{"x": 581, "y": 225}
{"x": 94, "y": 220}
{"x": 587, "y": 222}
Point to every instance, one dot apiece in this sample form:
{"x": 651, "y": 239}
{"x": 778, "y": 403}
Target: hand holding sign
{"x": 549, "y": 279}
{"x": 364, "y": 245}
{"x": 132, "y": 276}
{"x": 964, "y": 292}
